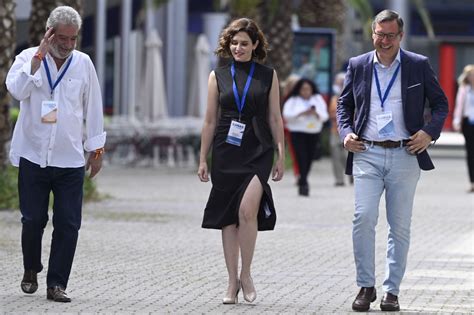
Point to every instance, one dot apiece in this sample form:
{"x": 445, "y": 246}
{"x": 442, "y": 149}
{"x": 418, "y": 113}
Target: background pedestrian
{"x": 305, "y": 113}
{"x": 464, "y": 116}
{"x": 338, "y": 154}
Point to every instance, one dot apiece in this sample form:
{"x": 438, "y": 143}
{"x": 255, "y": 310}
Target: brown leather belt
{"x": 388, "y": 144}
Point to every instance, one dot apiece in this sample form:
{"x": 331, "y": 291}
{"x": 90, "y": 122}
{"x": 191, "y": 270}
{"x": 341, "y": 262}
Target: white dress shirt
{"x": 296, "y": 105}
{"x": 392, "y": 104}
{"x": 80, "y": 123}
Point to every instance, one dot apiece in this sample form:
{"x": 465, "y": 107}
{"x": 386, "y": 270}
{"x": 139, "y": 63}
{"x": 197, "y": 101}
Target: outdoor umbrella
{"x": 197, "y": 98}
{"x": 154, "y": 94}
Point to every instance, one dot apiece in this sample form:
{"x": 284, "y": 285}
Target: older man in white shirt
{"x": 61, "y": 116}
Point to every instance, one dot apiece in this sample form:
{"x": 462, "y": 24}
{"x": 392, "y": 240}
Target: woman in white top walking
{"x": 305, "y": 113}
{"x": 464, "y": 116}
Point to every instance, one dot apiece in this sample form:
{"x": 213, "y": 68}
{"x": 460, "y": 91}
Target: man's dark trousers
{"x": 34, "y": 186}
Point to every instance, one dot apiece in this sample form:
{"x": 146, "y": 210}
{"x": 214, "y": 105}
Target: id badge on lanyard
{"x": 237, "y": 128}
{"x": 385, "y": 125}
{"x": 49, "y": 112}
{"x": 49, "y": 109}
{"x": 236, "y": 133}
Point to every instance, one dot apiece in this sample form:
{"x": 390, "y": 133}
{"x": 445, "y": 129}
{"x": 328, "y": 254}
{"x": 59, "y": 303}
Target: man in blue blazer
{"x": 381, "y": 122}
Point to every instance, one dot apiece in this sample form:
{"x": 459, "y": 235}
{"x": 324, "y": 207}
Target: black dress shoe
{"x": 363, "y": 299}
{"x": 390, "y": 303}
{"x": 29, "y": 284}
{"x": 57, "y": 294}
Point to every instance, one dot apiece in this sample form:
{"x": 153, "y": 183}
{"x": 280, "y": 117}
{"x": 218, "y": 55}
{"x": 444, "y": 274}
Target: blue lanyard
{"x": 389, "y": 87}
{"x": 48, "y": 74}
{"x": 241, "y": 102}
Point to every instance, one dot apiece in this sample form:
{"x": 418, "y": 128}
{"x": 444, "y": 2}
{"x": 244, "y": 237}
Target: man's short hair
{"x": 64, "y": 15}
{"x": 387, "y": 16}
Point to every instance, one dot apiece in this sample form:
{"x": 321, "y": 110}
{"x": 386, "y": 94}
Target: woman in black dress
{"x": 244, "y": 125}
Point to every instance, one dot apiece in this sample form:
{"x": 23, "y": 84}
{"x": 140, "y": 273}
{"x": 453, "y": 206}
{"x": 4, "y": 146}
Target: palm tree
{"x": 7, "y": 50}
{"x": 275, "y": 20}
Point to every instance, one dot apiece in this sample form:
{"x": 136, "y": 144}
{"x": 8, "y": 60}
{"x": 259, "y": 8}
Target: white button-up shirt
{"x": 296, "y": 105}
{"x": 80, "y": 123}
{"x": 393, "y": 103}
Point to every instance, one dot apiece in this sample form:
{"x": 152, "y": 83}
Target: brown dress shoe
{"x": 390, "y": 303}
{"x": 29, "y": 284}
{"x": 57, "y": 294}
{"x": 363, "y": 299}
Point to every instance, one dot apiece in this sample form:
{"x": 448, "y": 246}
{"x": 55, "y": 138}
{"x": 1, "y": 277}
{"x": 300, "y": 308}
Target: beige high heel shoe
{"x": 249, "y": 296}
{"x": 232, "y": 299}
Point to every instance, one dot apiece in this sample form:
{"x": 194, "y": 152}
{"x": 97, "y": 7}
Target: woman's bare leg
{"x": 247, "y": 233}
{"x": 230, "y": 243}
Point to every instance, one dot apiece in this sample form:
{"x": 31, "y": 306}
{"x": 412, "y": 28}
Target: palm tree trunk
{"x": 275, "y": 20}
{"x": 7, "y": 50}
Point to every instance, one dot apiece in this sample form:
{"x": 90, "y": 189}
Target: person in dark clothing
{"x": 305, "y": 113}
{"x": 243, "y": 123}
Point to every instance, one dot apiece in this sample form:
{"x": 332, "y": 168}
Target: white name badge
{"x": 236, "y": 133}
{"x": 49, "y": 112}
{"x": 385, "y": 125}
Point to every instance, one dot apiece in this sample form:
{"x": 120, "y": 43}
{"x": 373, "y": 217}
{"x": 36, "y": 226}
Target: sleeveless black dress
{"x": 233, "y": 167}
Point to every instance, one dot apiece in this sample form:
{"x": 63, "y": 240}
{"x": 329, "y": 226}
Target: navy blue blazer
{"x": 419, "y": 84}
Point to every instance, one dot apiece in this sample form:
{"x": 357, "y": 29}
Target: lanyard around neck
{"x": 48, "y": 74}
{"x": 389, "y": 87}
{"x": 241, "y": 102}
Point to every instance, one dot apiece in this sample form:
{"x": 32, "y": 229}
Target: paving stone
{"x": 142, "y": 250}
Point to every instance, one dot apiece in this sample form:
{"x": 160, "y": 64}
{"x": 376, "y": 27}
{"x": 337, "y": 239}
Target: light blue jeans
{"x": 397, "y": 172}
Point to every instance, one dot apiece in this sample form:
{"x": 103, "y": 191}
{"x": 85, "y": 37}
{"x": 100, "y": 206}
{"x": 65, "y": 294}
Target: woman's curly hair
{"x": 252, "y": 29}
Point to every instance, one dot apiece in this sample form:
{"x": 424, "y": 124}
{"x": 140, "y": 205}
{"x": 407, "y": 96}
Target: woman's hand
{"x": 203, "y": 172}
{"x": 278, "y": 170}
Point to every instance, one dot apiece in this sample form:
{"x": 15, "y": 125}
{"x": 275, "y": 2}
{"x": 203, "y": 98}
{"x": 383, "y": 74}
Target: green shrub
{"x": 90, "y": 190}
{"x": 9, "y": 189}
{"x": 14, "y": 112}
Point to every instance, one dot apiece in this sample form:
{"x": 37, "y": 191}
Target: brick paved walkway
{"x": 142, "y": 250}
